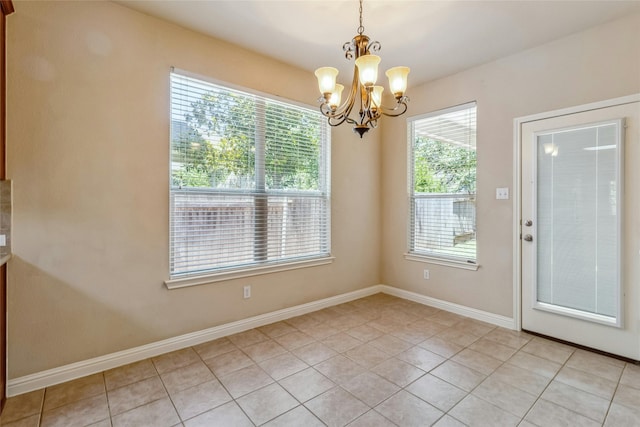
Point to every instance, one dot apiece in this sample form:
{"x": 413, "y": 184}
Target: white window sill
{"x": 442, "y": 261}
{"x": 183, "y": 282}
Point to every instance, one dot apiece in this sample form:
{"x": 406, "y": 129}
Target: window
{"x": 442, "y": 159}
{"x": 249, "y": 180}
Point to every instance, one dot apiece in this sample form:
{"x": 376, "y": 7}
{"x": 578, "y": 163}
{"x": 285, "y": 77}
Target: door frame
{"x": 517, "y": 186}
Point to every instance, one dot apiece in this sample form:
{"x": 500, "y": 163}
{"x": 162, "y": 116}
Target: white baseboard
{"x": 484, "y": 316}
{"x": 72, "y": 371}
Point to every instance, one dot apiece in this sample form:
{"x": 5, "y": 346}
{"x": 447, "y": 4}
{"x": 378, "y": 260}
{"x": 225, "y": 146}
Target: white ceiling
{"x": 434, "y": 38}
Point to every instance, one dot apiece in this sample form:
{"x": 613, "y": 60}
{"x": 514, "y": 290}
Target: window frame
{"x": 432, "y": 257}
{"x": 259, "y": 191}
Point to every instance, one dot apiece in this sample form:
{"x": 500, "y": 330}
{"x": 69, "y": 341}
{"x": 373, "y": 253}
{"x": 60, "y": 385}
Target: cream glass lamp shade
{"x": 336, "y": 95}
{"x": 326, "y": 79}
{"x": 368, "y": 69}
{"x": 376, "y": 96}
{"x": 398, "y": 79}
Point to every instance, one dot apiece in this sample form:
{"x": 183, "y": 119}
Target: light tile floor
{"x": 377, "y": 361}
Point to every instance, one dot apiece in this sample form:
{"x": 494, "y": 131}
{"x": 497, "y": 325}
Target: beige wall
{"x": 595, "y": 65}
{"x": 88, "y": 135}
{"x": 88, "y": 153}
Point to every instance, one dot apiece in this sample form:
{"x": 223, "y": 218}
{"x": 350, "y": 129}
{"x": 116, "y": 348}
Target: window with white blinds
{"x": 442, "y": 159}
{"x": 249, "y": 180}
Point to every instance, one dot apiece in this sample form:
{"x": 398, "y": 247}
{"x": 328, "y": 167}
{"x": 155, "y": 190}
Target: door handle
{"x": 528, "y": 223}
{"x": 528, "y": 238}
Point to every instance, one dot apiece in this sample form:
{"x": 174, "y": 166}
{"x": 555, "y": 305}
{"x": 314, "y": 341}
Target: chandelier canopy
{"x": 364, "y": 91}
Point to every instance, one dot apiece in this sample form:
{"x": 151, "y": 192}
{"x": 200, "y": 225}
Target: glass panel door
{"x": 578, "y": 221}
{"x": 580, "y": 275}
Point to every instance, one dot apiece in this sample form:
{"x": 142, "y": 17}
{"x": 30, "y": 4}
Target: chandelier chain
{"x": 361, "y": 27}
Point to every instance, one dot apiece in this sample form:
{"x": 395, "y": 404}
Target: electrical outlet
{"x": 426, "y": 274}
{"x": 247, "y": 292}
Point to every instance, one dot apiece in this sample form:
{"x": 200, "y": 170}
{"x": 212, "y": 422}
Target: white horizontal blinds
{"x": 210, "y": 231}
{"x": 249, "y": 179}
{"x": 297, "y": 225}
{"x": 212, "y": 136}
{"x": 577, "y": 218}
{"x": 443, "y": 184}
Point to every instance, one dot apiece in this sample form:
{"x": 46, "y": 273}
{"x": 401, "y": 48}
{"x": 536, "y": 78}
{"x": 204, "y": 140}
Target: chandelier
{"x": 364, "y": 94}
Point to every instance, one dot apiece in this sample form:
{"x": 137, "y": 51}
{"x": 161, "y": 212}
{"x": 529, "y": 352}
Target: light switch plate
{"x": 502, "y": 193}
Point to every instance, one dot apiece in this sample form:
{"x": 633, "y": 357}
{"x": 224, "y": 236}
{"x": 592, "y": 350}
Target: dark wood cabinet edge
{"x": 6, "y": 8}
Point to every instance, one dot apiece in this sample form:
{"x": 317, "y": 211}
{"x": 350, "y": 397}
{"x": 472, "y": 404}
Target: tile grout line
{"x": 106, "y": 396}
{"x": 545, "y": 388}
{"x": 506, "y": 362}
{"x": 606, "y": 415}
{"x": 167, "y": 390}
{"x": 233, "y": 399}
{"x": 390, "y": 333}
{"x": 364, "y": 342}
{"x": 400, "y": 388}
{"x": 612, "y": 395}
{"x": 384, "y": 333}
{"x": 446, "y": 359}
{"x": 275, "y": 380}
{"x": 478, "y": 385}
{"x": 564, "y": 364}
{"x": 133, "y": 383}
{"x": 41, "y": 413}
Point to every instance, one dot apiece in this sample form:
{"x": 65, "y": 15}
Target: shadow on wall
{"x": 48, "y": 320}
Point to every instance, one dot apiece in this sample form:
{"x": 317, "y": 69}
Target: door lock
{"x": 528, "y": 223}
{"x": 528, "y": 238}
